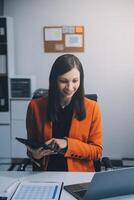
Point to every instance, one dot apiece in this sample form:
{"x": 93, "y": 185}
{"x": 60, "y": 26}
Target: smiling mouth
{"x": 68, "y": 93}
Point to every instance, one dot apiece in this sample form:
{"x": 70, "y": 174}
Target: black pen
{"x": 35, "y": 162}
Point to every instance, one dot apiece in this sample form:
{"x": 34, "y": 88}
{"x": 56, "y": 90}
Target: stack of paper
{"x": 38, "y": 190}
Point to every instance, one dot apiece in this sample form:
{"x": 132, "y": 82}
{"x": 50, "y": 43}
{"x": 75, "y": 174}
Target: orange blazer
{"x": 84, "y": 138}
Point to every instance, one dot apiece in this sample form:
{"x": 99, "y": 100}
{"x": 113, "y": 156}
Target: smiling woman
{"x": 66, "y": 120}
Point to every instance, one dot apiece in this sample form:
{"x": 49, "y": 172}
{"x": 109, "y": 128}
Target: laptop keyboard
{"x": 81, "y": 193}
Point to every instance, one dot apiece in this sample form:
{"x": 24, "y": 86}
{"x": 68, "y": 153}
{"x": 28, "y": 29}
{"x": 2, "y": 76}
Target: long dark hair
{"x": 62, "y": 65}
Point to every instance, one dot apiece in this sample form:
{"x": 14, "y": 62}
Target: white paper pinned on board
{"x": 53, "y": 34}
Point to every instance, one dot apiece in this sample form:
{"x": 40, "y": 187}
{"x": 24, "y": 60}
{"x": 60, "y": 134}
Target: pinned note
{"x": 79, "y": 29}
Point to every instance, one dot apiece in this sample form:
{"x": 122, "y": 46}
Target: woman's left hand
{"x": 57, "y": 144}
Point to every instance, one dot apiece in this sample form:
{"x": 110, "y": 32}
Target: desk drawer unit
{"x": 18, "y": 127}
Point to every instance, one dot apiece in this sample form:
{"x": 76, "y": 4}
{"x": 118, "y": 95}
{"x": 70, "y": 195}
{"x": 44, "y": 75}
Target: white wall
{"x": 108, "y": 59}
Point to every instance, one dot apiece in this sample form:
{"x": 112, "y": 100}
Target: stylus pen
{"x": 35, "y": 162}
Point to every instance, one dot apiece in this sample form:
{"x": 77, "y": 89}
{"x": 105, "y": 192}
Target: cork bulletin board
{"x": 63, "y": 38}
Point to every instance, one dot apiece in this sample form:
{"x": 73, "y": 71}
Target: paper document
{"x": 6, "y": 182}
{"x": 38, "y": 190}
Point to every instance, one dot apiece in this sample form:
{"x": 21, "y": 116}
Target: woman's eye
{"x": 63, "y": 81}
{"x": 75, "y": 81}
{"x": 66, "y": 81}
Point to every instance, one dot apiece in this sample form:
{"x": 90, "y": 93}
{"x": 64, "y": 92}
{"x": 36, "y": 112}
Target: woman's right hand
{"x": 39, "y": 153}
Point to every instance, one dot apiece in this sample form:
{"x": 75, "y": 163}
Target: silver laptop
{"x": 105, "y": 185}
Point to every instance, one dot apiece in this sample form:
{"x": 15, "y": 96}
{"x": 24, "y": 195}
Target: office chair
{"x": 105, "y": 162}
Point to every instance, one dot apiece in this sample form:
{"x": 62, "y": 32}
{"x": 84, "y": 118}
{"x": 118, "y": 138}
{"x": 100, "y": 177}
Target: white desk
{"x": 9, "y": 177}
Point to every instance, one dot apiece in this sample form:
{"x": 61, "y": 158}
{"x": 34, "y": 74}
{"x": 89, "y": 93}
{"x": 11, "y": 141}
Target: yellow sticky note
{"x": 79, "y": 29}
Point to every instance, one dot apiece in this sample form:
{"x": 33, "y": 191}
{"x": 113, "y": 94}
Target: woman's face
{"x": 68, "y": 83}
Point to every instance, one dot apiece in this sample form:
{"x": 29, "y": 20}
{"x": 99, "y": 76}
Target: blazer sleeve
{"x": 34, "y": 121}
{"x": 91, "y": 147}
{"x": 30, "y": 122}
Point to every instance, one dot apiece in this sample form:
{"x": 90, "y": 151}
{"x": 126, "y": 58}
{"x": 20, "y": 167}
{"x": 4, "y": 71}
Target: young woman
{"x": 66, "y": 120}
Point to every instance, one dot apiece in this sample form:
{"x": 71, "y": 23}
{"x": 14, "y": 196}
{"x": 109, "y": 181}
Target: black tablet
{"x": 33, "y": 145}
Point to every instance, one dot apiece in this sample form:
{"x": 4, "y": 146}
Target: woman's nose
{"x": 69, "y": 86}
